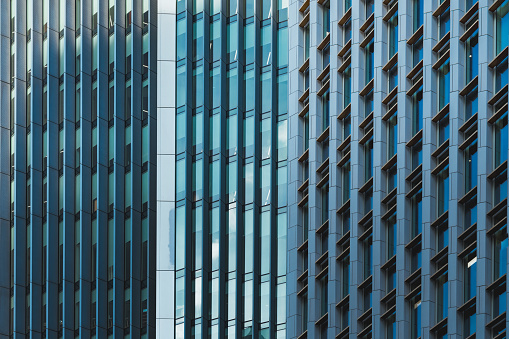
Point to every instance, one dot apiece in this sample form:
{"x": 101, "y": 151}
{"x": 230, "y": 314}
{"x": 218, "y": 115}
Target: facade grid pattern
{"x": 222, "y": 210}
{"x": 398, "y": 169}
{"x": 78, "y": 162}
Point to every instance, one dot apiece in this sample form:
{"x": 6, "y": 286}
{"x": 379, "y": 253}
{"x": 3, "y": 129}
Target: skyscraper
{"x": 222, "y": 208}
{"x": 78, "y": 162}
{"x": 399, "y": 113}
{"x": 254, "y": 168}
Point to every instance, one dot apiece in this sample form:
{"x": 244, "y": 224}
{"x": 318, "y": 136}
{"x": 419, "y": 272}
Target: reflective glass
{"x": 502, "y": 26}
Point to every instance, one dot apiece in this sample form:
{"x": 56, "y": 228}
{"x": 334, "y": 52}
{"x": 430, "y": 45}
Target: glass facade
{"x": 82, "y": 169}
{"x": 295, "y": 169}
{"x": 228, "y": 213}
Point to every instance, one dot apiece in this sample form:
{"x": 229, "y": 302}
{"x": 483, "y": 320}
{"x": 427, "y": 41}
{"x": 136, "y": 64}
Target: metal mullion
{"x": 20, "y": 141}
{"x": 5, "y": 227}
{"x": 52, "y": 283}
{"x": 136, "y": 208}
{"x": 69, "y": 41}
{"x": 36, "y": 216}
{"x": 119, "y": 170}
{"x": 102, "y": 171}
{"x": 152, "y": 171}
{"x": 85, "y": 171}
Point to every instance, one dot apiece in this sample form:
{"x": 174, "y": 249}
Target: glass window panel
{"x": 444, "y": 85}
{"x": 266, "y": 91}
{"x": 215, "y": 88}
{"x": 502, "y": 26}
{"x": 249, "y": 85}
{"x": 198, "y": 132}
{"x": 232, "y": 88}
{"x": 248, "y": 183}
{"x": 232, "y": 240}
{"x": 197, "y": 180}
{"x": 231, "y": 175}
{"x": 181, "y": 85}
{"x": 231, "y": 136}
{"x": 232, "y": 37}
{"x": 266, "y": 138}
{"x": 215, "y": 40}
{"x": 472, "y": 55}
{"x": 265, "y": 180}
{"x": 215, "y": 133}
{"x": 214, "y": 180}
{"x": 265, "y": 243}
{"x": 181, "y": 38}
{"x": 198, "y": 40}
{"x": 501, "y": 144}
{"x": 471, "y": 166}
{"x": 500, "y": 253}
{"x": 248, "y": 241}
{"x": 198, "y": 86}
{"x": 249, "y": 135}
{"x": 249, "y": 41}
{"x": 282, "y": 95}
{"x": 393, "y": 35}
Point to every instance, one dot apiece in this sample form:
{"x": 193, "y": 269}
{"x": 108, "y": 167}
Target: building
{"x": 398, "y": 151}
{"x": 254, "y": 169}
{"x": 222, "y": 210}
{"x": 78, "y": 168}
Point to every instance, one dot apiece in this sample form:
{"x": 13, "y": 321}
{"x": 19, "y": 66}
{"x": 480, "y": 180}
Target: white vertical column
{"x": 166, "y": 106}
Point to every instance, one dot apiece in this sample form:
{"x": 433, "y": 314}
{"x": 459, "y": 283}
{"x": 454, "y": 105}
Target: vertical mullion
{"x": 68, "y": 40}
{"x": 102, "y": 170}
{"x": 5, "y": 164}
{"x": 52, "y": 284}
{"x": 85, "y": 170}
{"x": 36, "y": 216}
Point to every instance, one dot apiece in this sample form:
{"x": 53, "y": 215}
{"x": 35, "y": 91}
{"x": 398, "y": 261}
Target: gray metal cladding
{"x": 410, "y": 238}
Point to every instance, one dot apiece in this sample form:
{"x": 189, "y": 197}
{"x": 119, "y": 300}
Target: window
{"x": 326, "y": 18}
{"x": 471, "y": 166}
{"x": 470, "y": 276}
{"x": 393, "y": 34}
{"x": 325, "y": 110}
{"x": 443, "y": 190}
{"x": 501, "y": 75}
{"x": 370, "y": 7}
{"x": 392, "y": 231}
{"x": 470, "y": 212}
{"x": 469, "y": 321}
{"x": 367, "y": 245}
{"x": 442, "y": 236}
{"x": 444, "y": 85}
{"x": 347, "y": 86}
{"x": 443, "y": 129}
{"x": 392, "y": 76}
{"x": 417, "y": 111}
{"x": 442, "y": 297}
{"x": 444, "y": 23}
{"x": 345, "y": 173}
{"x": 417, "y": 52}
{"x": 415, "y": 316}
{"x": 416, "y": 155}
{"x": 500, "y": 144}
{"x": 368, "y": 159}
{"x": 472, "y": 56}
{"x": 471, "y": 104}
{"x": 418, "y": 14}
{"x": 392, "y": 136}
{"x": 416, "y": 221}
{"x": 368, "y": 103}
{"x": 502, "y": 26}
{"x": 369, "y": 68}
{"x": 500, "y": 253}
